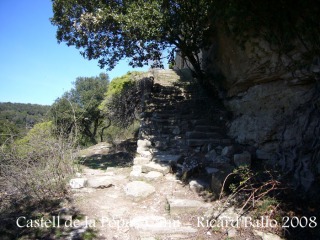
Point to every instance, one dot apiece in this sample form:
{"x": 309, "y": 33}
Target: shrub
{"x": 38, "y": 166}
{"x": 123, "y": 99}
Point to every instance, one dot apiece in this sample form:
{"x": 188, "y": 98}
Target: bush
{"x": 117, "y": 85}
{"x": 116, "y": 134}
{"x": 38, "y": 166}
{"x": 123, "y": 99}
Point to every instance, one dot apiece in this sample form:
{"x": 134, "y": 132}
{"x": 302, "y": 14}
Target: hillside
{"x": 18, "y": 118}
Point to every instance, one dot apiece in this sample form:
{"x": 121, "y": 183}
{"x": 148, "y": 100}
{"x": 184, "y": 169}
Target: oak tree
{"x": 111, "y": 30}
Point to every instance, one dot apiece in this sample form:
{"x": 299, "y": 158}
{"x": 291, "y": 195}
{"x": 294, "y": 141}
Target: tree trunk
{"x": 104, "y": 128}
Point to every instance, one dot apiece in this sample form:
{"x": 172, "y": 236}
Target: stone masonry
{"x": 182, "y": 131}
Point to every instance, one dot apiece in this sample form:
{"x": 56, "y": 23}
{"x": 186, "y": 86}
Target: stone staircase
{"x": 179, "y": 128}
{"x": 181, "y": 141}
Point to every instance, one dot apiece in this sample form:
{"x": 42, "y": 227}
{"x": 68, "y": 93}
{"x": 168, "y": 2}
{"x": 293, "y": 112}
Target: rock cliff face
{"x": 276, "y": 110}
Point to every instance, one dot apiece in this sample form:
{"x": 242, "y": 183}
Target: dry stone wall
{"x": 183, "y": 131}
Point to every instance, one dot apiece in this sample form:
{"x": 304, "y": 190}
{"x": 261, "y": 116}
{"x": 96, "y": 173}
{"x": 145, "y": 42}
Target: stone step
{"x": 165, "y": 115}
{"x": 166, "y": 96}
{"x": 201, "y": 142}
{"x": 167, "y": 158}
{"x": 138, "y": 190}
{"x": 197, "y": 122}
{"x": 202, "y": 135}
{"x": 167, "y": 90}
{"x": 207, "y": 122}
{"x": 141, "y": 160}
{"x": 164, "y": 107}
{"x": 136, "y": 172}
{"x": 153, "y": 166}
{"x": 207, "y": 128}
{"x": 163, "y": 120}
{"x": 214, "y": 141}
{"x": 152, "y": 224}
{"x": 100, "y": 182}
{"x": 145, "y": 154}
{"x": 180, "y": 206}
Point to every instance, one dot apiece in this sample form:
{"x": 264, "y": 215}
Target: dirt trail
{"x": 115, "y": 215}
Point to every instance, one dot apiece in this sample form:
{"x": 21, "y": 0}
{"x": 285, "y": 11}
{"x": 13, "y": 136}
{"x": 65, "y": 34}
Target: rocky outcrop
{"x": 274, "y": 109}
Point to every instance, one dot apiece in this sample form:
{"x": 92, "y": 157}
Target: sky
{"x": 34, "y": 68}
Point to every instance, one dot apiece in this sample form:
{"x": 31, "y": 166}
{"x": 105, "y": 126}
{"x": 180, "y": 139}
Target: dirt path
{"x": 114, "y": 214}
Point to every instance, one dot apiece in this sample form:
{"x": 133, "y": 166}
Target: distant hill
{"x": 18, "y": 118}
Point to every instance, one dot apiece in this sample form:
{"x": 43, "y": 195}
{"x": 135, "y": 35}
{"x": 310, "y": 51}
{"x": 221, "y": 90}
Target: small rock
{"x": 230, "y": 214}
{"x": 266, "y": 236}
{"x": 144, "y": 143}
{"x": 210, "y": 170}
{"x": 161, "y": 145}
{"x": 146, "y": 154}
{"x": 78, "y": 175}
{"x": 140, "y": 160}
{"x": 211, "y": 156}
{"x": 232, "y": 233}
{"x": 77, "y": 183}
{"x": 176, "y": 131}
{"x": 178, "y": 206}
{"x": 227, "y": 151}
{"x": 100, "y": 182}
{"x": 142, "y": 149}
{"x": 221, "y": 160}
{"x": 152, "y": 166}
{"x": 242, "y": 159}
{"x": 196, "y": 186}
{"x": 136, "y": 171}
{"x": 153, "y": 175}
{"x": 138, "y": 190}
{"x": 218, "y": 178}
{"x": 167, "y": 158}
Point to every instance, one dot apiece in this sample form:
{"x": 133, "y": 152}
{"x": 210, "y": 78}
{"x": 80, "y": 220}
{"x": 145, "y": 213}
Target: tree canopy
{"x": 110, "y": 30}
{"x": 136, "y": 29}
{"x": 77, "y": 110}
{"x": 17, "y": 118}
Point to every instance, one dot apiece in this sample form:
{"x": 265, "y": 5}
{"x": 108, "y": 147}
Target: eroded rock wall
{"x": 275, "y": 109}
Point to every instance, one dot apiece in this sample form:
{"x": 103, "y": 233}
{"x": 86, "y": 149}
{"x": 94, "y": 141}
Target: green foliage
{"x": 267, "y": 207}
{"x": 116, "y": 134}
{"x": 8, "y": 130}
{"x": 253, "y": 187}
{"x": 77, "y": 111}
{"x": 136, "y": 29}
{"x": 17, "y": 118}
{"x": 38, "y": 165}
{"x": 117, "y": 85}
{"x": 143, "y": 30}
{"x": 123, "y": 99}
{"x": 40, "y": 132}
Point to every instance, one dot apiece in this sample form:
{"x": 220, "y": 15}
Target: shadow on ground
{"x": 45, "y": 219}
{"x": 119, "y": 155}
{"x": 98, "y": 161}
